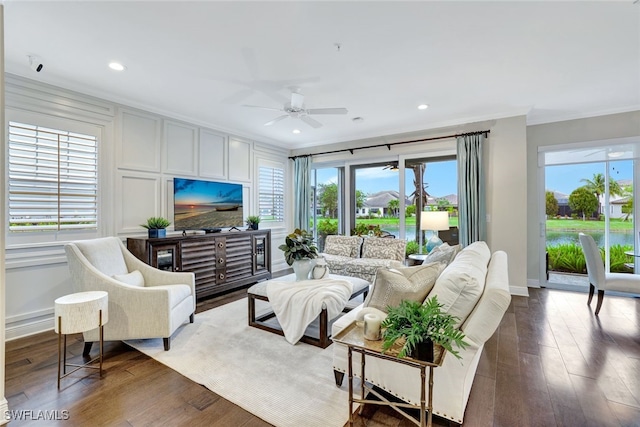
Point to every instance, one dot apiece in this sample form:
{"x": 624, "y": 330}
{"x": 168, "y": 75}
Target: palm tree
{"x": 393, "y": 206}
{"x": 597, "y": 187}
{"x": 420, "y": 194}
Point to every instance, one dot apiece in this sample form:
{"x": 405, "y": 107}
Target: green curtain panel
{"x": 471, "y": 190}
{"x": 302, "y": 189}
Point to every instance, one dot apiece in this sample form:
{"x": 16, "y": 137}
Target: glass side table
{"x": 352, "y": 336}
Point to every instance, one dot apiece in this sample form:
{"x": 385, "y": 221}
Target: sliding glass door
{"x": 589, "y": 190}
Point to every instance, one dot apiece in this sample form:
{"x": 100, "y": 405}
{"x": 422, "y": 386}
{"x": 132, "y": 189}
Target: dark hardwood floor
{"x": 551, "y": 362}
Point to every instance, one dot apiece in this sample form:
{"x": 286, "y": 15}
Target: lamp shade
{"x": 80, "y": 312}
{"x": 434, "y": 220}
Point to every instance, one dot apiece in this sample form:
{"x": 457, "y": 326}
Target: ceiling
{"x": 469, "y": 61}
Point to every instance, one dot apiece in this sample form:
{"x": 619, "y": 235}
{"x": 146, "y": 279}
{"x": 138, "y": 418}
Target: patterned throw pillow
{"x": 443, "y": 253}
{"x": 378, "y": 248}
{"x": 391, "y": 286}
{"x": 338, "y": 249}
{"x": 134, "y": 278}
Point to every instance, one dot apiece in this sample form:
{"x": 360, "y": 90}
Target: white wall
{"x": 3, "y": 401}
{"x": 140, "y": 153}
{"x": 611, "y": 126}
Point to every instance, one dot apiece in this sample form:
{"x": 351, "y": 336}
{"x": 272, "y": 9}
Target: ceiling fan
{"x": 296, "y": 110}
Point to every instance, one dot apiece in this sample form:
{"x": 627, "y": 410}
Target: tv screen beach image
{"x": 206, "y": 204}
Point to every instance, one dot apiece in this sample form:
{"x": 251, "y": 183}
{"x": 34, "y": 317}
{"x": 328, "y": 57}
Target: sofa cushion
{"x": 338, "y": 249}
{"x": 406, "y": 283}
{"x": 382, "y": 248}
{"x": 443, "y": 253}
{"x": 366, "y": 268}
{"x": 134, "y": 278}
{"x": 460, "y": 285}
{"x": 354, "y": 242}
{"x": 336, "y": 263}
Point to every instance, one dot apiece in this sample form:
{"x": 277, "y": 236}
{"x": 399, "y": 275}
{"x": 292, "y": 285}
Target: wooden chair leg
{"x": 191, "y": 317}
{"x": 591, "y": 290}
{"x": 339, "y": 376}
{"x": 167, "y": 343}
{"x": 600, "y": 298}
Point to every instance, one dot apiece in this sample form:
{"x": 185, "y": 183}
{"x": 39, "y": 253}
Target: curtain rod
{"x": 388, "y": 145}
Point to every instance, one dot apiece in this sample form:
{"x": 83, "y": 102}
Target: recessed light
{"x": 117, "y": 66}
{"x": 423, "y": 107}
{"x": 615, "y": 154}
{"x": 296, "y": 131}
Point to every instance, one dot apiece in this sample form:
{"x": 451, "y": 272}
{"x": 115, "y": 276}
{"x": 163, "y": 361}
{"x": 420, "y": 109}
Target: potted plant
{"x": 156, "y": 226}
{"x": 253, "y": 221}
{"x": 421, "y": 325}
{"x": 299, "y": 252}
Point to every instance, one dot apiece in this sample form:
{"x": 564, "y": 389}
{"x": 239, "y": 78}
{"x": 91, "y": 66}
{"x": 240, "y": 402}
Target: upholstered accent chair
{"x": 144, "y": 302}
{"x": 601, "y": 280}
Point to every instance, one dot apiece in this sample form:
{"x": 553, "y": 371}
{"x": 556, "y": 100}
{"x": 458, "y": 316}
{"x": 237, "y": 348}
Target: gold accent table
{"x": 352, "y": 337}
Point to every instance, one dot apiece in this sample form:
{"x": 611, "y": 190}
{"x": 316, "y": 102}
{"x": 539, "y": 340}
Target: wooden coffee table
{"x": 259, "y": 292}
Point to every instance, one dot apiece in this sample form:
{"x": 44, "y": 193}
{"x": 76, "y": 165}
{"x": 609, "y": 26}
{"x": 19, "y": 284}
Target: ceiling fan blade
{"x": 327, "y": 111}
{"x": 311, "y": 122}
{"x": 263, "y": 108}
{"x": 276, "y": 120}
{"x": 297, "y": 100}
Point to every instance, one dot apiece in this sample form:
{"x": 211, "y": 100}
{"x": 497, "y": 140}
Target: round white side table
{"x": 417, "y": 258}
{"x": 75, "y": 313}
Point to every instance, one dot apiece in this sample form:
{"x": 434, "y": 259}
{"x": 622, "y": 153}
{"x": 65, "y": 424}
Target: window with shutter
{"x": 53, "y": 179}
{"x": 271, "y": 194}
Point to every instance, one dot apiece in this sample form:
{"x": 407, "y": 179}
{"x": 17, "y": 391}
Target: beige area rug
{"x": 259, "y": 371}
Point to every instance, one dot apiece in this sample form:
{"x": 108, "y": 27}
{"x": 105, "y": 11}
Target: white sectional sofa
{"x": 362, "y": 256}
{"x": 474, "y": 287}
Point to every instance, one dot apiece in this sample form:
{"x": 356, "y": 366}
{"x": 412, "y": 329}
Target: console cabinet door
{"x": 199, "y": 256}
{"x": 260, "y": 254}
{"x": 165, "y": 257}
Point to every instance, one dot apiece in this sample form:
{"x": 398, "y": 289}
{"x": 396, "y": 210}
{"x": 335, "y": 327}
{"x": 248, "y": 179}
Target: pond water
{"x": 555, "y": 238}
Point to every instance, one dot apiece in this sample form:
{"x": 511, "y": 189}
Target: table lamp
{"x": 434, "y": 221}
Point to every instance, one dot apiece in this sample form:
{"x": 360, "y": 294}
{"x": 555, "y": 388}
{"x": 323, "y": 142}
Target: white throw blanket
{"x": 297, "y": 304}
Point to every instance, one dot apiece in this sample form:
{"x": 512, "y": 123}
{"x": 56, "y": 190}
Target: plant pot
{"x": 253, "y": 226}
{"x": 423, "y": 351}
{"x": 157, "y": 232}
{"x": 302, "y": 268}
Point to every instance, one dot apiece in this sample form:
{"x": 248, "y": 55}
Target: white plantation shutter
{"x": 271, "y": 194}
{"x": 53, "y": 179}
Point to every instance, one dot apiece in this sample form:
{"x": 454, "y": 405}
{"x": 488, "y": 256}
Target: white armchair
{"x": 144, "y": 302}
{"x": 599, "y": 278}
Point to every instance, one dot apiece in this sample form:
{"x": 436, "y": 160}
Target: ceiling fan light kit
{"x": 295, "y": 109}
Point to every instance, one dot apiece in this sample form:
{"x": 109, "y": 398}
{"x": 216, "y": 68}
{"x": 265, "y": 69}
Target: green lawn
{"x": 453, "y": 221}
{"x": 579, "y": 225}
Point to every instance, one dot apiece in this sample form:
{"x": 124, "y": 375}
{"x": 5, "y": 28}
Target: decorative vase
{"x": 254, "y": 225}
{"x": 157, "y": 232}
{"x": 302, "y": 268}
{"x": 423, "y": 351}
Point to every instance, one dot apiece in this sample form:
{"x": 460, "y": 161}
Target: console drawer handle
{"x": 220, "y": 260}
{"x": 221, "y": 276}
{"x": 220, "y": 245}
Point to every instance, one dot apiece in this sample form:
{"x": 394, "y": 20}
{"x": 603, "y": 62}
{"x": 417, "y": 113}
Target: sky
{"x": 566, "y": 178}
{"x": 442, "y": 177}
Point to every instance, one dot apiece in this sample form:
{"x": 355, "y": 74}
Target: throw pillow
{"x": 338, "y": 249}
{"x": 391, "y": 286}
{"x": 378, "y": 248}
{"x": 134, "y": 278}
{"x": 443, "y": 253}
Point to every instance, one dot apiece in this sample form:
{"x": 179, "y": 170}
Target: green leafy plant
{"x": 156, "y": 223}
{"x": 569, "y": 258}
{"x": 417, "y": 322}
{"x": 253, "y": 219}
{"x": 298, "y": 245}
{"x": 366, "y": 229}
{"x": 412, "y": 248}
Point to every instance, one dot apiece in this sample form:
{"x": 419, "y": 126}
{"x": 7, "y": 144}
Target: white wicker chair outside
{"x": 150, "y": 304}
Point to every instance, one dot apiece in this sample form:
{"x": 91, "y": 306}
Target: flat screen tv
{"x": 201, "y": 205}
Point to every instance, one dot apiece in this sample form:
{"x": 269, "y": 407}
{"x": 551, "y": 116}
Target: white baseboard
{"x": 25, "y": 329}
{"x": 533, "y": 283}
{"x": 522, "y": 291}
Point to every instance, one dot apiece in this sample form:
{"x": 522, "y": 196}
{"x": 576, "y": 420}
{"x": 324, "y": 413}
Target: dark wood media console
{"x": 221, "y": 261}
